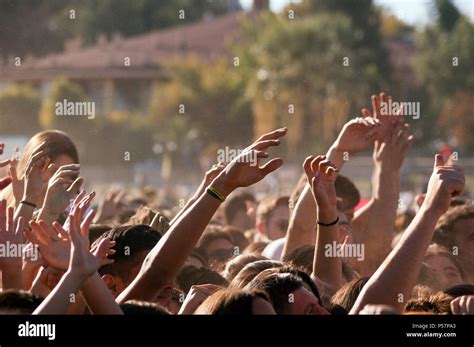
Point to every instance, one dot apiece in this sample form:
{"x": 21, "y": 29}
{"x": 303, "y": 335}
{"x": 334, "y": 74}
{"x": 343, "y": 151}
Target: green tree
{"x": 62, "y": 90}
{"x": 316, "y": 64}
{"x": 19, "y": 109}
{"x": 447, "y": 14}
{"x": 444, "y": 67}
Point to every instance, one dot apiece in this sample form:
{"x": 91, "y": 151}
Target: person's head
{"x": 191, "y": 275}
{"x": 217, "y": 247}
{"x": 455, "y": 231}
{"x": 61, "y": 150}
{"x": 347, "y": 295}
{"x": 273, "y": 214}
{"x": 448, "y": 271}
{"x": 287, "y": 293}
{"x": 143, "y": 308}
{"x": 233, "y": 301}
{"x": 18, "y": 302}
{"x": 196, "y": 259}
{"x": 239, "y": 210}
{"x": 133, "y": 243}
{"x": 438, "y": 303}
{"x": 96, "y": 230}
{"x": 251, "y": 270}
{"x": 301, "y": 257}
{"x": 256, "y": 247}
{"x": 238, "y": 237}
{"x": 348, "y": 193}
{"x": 233, "y": 267}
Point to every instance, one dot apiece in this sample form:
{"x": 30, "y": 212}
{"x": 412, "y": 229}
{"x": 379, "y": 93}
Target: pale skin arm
{"x": 320, "y": 173}
{"x": 166, "y": 259}
{"x": 209, "y": 176}
{"x": 98, "y": 297}
{"x": 356, "y": 135}
{"x": 394, "y": 280}
{"x": 373, "y": 225}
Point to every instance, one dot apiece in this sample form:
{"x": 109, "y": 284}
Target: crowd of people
{"x": 317, "y": 251}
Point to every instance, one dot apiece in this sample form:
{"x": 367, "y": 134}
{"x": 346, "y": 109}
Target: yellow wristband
{"x": 216, "y": 193}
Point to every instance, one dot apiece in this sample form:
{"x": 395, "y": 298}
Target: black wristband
{"x": 329, "y": 224}
{"x": 24, "y": 202}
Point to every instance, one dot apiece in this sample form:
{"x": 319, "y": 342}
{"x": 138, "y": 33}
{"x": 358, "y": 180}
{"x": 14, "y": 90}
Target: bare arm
{"x": 394, "y": 280}
{"x": 374, "y": 224}
{"x": 320, "y": 173}
{"x": 356, "y": 135}
{"x": 168, "y": 256}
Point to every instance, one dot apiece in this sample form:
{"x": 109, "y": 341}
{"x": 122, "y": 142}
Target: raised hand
{"x": 10, "y": 234}
{"x": 357, "y": 135}
{"x": 390, "y": 153}
{"x": 54, "y": 241}
{"x": 62, "y": 187}
{"x": 447, "y": 181}
{"x": 33, "y": 184}
{"x": 320, "y": 173}
{"x": 385, "y": 119}
{"x": 82, "y": 262}
{"x": 5, "y": 181}
{"x": 109, "y": 205}
{"x": 244, "y": 170}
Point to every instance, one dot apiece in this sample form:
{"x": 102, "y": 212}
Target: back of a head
{"x": 57, "y": 143}
{"x": 278, "y": 287}
{"x": 249, "y": 271}
{"x": 131, "y": 242}
{"x": 347, "y": 295}
{"x": 18, "y": 302}
{"x": 301, "y": 257}
{"x": 347, "y": 191}
{"x": 236, "y": 203}
{"x": 230, "y": 301}
{"x": 143, "y": 308}
{"x": 234, "y": 266}
{"x": 445, "y": 228}
{"x": 439, "y": 303}
{"x": 191, "y": 275}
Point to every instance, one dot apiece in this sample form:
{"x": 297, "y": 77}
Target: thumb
{"x": 439, "y": 161}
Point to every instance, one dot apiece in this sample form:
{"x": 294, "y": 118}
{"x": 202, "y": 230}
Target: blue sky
{"x": 415, "y": 12}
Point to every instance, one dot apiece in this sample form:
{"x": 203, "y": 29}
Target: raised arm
{"x": 210, "y": 175}
{"x": 394, "y": 280}
{"x": 166, "y": 259}
{"x": 11, "y": 236}
{"x": 82, "y": 263}
{"x": 320, "y": 172}
{"x": 356, "y": 135}
{"x": 62, "y": 187}
{"x": 373, "y": 225}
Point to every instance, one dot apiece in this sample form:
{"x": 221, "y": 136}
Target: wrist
{"x": 30, "y": 197}
{"x": 327, "y": 216}
{"x": 221, "y": 186}
{"x": 431, "y": 210}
